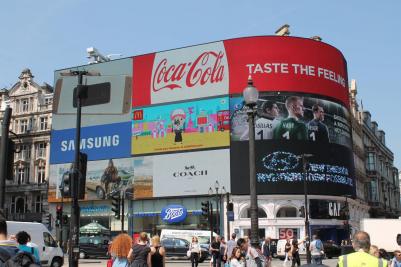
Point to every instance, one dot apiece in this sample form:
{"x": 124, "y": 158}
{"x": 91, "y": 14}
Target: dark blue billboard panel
{"x": 99, "y": 142}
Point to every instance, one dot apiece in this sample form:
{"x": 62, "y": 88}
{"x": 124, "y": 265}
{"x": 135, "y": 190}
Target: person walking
{"x": 223, "y": 247}
{"x": 158, "y": 253}
{"x": 236, "y": 259}
{"x": 252, "y": 257}
{"x": 266, "y": 251}
{"x": 317, "y": 250}
{"x": 361, "y": 244}
{"x": 120, "y": 249}
{"x": 396, "y": 261}
{"x": 195, "y": 249}
{"x": 215, "y": 250}
{"x": 287, "y": 248}
{"x": 22, "y": 239}
{"x": 231, "y": 244}
{"x": 295, "y": 252}
{"x": 140, "y": 253}
{"x": 7, "y": 247}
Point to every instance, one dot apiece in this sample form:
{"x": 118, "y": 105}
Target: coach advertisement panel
{"x": 182, "y": 174}
{"x": 102, "y": 178}
{"x": 288, "y": 125}
{"x": 276, "y": 63}
{"x": 181, "y": 126}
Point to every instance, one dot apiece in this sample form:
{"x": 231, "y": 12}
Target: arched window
{"x": 286, "y": 212}
{"x": 246, "y": 213}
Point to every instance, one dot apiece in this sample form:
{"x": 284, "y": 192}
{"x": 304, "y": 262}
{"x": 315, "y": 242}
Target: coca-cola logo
{"x": 174, "y": 213}
{"x": 206, "y": 68}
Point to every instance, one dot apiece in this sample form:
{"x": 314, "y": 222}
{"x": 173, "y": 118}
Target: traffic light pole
{"x": 73, "y": 255}
{"x": 211, "y": 221}
{"x": 122, "y": 212}
{"x": 304, "y": 169}
{"x": 3, "y": 154}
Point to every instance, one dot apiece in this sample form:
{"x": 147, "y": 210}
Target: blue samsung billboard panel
{"x": 99, "y": 142}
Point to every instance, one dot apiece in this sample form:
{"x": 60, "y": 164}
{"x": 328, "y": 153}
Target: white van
{"x": 202, "y": 235}
{"x": 49, "y": 251}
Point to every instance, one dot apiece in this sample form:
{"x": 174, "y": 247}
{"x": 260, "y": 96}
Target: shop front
{"x": 153, "y": 215}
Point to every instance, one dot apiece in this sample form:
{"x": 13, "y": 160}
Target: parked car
{"x": 331, "y": 249}
{"x": 178, "y": 247}
{"x": 93, "y": 247}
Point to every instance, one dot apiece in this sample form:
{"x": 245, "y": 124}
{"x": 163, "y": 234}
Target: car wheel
{"x": 82, "y": 255}
{"x": 201, "y": 259}
{"x": 100, "y": 193}
{"x": 57, "y": 262}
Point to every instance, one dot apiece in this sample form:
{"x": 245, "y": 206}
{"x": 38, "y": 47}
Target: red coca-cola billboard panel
{"x": 275, "y": 63}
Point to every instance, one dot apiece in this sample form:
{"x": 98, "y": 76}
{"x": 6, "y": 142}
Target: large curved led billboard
{"x": 287, "y": 126}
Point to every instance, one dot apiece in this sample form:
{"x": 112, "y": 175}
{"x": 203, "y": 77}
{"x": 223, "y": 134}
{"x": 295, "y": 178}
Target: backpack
{"x": 21, "y": 259}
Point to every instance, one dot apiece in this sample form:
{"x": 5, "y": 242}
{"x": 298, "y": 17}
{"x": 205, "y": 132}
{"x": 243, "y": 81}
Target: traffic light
{"x": 205, "y": 208}
{"x": 116, "y": 203}
{"x": 65, "y": 187}
{"x": 302, "y": 211}
{"x": 47, "y": 220}
{"x": 65, "y": 220}
{"x": 59, "y": 215}
{"x": 230, "y": 206}
{"x": 83, "y": 162}
{"x": 10, "y": 160}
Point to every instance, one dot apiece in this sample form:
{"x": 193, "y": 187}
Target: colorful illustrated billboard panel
{"x": 181, "y": 126}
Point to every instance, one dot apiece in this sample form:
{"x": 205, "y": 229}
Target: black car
{"x": 331, "y": 249}
{"x": 178, "y": 247}
{"x": 93, "y": 247}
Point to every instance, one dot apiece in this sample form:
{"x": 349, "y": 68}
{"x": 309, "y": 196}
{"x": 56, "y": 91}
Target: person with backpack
{"x": 23, "y": 238}
{"x": 120, "y": 249}
{"x": 10, "y": 254}
{"x": 317, "y": 250}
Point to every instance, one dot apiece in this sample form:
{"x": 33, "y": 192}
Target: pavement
{"x": 185, "y": 263}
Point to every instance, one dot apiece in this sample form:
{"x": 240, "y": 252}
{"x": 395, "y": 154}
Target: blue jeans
{"x": 317, "y": 259}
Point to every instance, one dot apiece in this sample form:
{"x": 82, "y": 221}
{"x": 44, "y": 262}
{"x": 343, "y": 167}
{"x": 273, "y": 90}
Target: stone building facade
{"x": 377, "y": 177}
{"x": 26, "y": 191}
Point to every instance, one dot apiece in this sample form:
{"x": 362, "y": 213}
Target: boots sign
{"x": 173, "y": 213}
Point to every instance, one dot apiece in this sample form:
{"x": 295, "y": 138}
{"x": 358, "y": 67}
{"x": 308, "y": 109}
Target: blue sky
{"x": 47, "y": 35}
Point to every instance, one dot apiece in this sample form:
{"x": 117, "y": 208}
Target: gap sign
{"x": 173, "y": 213}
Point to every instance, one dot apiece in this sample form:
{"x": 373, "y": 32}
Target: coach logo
{"x": 206, "y": 68}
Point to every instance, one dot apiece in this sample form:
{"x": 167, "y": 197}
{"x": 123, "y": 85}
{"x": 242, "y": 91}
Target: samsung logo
{"x": 91, "y": 143}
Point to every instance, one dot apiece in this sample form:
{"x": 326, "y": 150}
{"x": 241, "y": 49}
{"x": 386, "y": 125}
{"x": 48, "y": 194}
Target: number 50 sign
{"x": 285, "y": 233}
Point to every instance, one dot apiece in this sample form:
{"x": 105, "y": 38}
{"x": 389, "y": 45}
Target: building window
{"x": 287, "y": 212}
{"x": 247, "y": 213}
{"x": 39, "y": 203}
{"x": 23, "y": 175}
{"x": 25, "y": 153}
{"x": 25, "y": 105}
{"x": 43, "y": 123}
{"x": 371, "y": 161}
{"x": 40, "y": 150}
{"x": 23, "y": 126}
{"x": 373, "y": 191}
{"x": 40, "y": 174}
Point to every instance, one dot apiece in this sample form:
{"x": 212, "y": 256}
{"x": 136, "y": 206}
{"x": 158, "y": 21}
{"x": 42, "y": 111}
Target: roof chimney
{"x": 317, "y": 38}
{"x": 283, "y": 30}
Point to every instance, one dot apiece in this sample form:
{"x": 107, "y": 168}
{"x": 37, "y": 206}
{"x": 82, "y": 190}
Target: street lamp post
{"x": 304, "y": 158}
{"x": 217, "y": 194}
{"x": 251, "y": 96}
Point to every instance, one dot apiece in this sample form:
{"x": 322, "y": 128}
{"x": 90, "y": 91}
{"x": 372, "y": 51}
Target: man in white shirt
{"x": 267, "y": 121}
